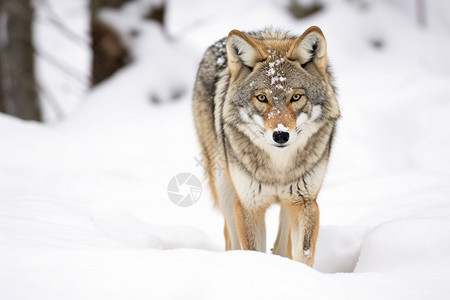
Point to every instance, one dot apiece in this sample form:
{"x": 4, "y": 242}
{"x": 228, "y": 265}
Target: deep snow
{"x": 84, "y": 209}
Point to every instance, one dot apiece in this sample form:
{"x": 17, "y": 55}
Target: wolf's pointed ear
{"x": 242, "y": 51}
{"x": 310, "y": 47}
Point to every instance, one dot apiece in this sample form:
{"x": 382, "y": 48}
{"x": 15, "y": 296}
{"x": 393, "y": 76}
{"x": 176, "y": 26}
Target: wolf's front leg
{"x": 304, "y": 216}
{"x": 251, "y": 226}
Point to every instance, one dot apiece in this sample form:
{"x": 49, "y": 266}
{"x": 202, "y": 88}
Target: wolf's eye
{"x": 262, "y": 98}
{"x": 296, "y": 97}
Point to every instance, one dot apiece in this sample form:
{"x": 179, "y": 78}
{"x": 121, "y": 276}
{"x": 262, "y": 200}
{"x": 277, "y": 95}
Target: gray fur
{"x": 223, "y": 113}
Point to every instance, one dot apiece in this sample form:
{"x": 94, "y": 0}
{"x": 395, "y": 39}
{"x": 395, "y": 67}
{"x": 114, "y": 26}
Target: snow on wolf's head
{"x": 280, "y": 85}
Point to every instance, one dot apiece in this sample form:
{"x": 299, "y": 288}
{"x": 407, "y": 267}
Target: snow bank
{"x": 394, "y": 245}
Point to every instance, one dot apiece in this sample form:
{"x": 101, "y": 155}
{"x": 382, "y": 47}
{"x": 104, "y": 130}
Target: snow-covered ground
{"x": 84, "y": 208}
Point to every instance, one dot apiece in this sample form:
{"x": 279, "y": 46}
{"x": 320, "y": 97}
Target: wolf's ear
{"x": 310, "y": 47}
{"x": 242, "y": 51}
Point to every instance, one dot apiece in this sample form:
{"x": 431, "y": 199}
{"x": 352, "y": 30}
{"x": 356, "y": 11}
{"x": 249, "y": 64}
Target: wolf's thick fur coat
{"x": 265, "y": 112}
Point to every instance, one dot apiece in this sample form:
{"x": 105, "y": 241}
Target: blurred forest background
{"x": 21, "y": 93}
{"x": 24, "y": 92}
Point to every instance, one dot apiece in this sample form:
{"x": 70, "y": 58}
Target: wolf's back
{"x": 214, "y": 62}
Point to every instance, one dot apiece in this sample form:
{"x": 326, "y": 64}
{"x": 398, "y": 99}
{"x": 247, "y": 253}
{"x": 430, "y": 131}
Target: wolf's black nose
{"x": 280, "y": 137}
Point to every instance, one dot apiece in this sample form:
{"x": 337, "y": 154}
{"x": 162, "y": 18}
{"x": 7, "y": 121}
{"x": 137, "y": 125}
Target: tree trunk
{"x": 18, "y": 96}
{"x": 301, "y": 11}
{"x": 108, "y": 51}
{"x": 421, "y": 13}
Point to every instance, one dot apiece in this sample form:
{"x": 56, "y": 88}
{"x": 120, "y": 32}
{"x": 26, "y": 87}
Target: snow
{"x": 270, "y": 72}
{"x": 281, "y": 127}
{"x": 307, "y": 253}
{"x": 220, "y": 61}
{"x": 275, "y": 72}
{"x": 84, "y": 205}
{"x": 273, "y": 111}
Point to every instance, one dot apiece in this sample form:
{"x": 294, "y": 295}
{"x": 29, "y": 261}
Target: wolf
{"x": 265, "y": 111}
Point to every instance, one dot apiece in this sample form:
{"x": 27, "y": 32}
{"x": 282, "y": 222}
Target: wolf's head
{"x": 279, "y": 88}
